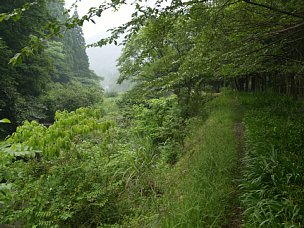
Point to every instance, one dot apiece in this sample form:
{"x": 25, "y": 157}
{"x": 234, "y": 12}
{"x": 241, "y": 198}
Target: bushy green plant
{"x": 70, "y": 97}
{"x": 76, "y": 189}
{"x": 92, "y": 171}
{"x": 11, "y": 156}
{"x": 29, "y": 108}
{"x": 161, "y": 120}
{"x": 75, "y": 186}
{"x": 158, "y": 118}
{"x": 68, "y": 129}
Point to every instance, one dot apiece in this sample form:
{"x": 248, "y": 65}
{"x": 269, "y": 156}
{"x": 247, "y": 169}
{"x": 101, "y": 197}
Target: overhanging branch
{"x": 273, "y": 9}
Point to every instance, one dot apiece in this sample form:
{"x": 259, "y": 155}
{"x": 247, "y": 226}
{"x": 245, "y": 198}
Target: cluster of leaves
{"x": 16, "y": 14}
{"x": 273, "y": 173}
{"x": 68, "y": 128}
{"x": 68, "y": 181}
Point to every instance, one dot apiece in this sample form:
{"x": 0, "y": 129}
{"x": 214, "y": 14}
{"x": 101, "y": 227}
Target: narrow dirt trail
{"x": 236, "y": 219}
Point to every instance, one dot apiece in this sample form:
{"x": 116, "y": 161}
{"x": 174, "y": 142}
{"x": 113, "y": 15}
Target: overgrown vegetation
{"x": 141, "y": 168}
{"x": 92, "y": 170}
{"x": 200, "y": 188}
{"x": 163, "y": 154}
{"x": 273, "y": 176}
{"x": 89, "y": 168}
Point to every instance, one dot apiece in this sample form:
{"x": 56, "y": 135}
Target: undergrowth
{"x": 147, "y": 166}
{"x": 89, "y": 169}
{"x": 273, "y": 184}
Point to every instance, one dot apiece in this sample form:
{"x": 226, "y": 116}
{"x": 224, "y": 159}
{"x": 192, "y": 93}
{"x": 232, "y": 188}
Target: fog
{"x": 103, "y": 60}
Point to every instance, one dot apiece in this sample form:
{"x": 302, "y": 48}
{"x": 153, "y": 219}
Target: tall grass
{"x": 273, "y": 184}
{"x": 200, "y": 187}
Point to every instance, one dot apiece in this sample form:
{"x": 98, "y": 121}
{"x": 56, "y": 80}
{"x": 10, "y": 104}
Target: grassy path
{"x": 235, "y": 216}
{"x": 202, "y": 189}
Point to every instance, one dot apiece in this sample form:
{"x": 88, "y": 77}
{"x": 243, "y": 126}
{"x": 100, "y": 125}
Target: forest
{"x": 210, "y": 134}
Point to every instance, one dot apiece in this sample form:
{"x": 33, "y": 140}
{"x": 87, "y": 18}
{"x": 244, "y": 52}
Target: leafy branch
{"x": 5, "y": 120}
{"x": 274, "y": 9}
{"x": 15, "y": 15}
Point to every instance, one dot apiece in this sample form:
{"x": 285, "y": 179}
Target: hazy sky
{"x": 108, "y": 20}
{"x": 102, "y": 60}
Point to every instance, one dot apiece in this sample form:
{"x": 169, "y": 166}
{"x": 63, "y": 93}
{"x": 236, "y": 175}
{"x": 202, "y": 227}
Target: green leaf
{"x": 2, "y": 17}
{"x": 5, "y": 186}
{"x": 5, "y": 121}
{"x": 17, "y": 59}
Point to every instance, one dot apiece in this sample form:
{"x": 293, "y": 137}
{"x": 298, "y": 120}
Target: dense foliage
{"x": 90, "y": 169}
{"x": 28, "y": 88}
{"x": 190, "y": 47}
{"x": 273, "y": 177}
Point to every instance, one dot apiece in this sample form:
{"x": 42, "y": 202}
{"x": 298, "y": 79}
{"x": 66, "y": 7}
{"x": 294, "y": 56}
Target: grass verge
{"x": 201, "y": 187}
{"x": 273, "y": 184}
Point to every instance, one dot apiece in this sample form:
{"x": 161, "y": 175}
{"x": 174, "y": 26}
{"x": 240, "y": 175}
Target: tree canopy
{"x": 168, "y": 152}
{"x": 40, "y": 60}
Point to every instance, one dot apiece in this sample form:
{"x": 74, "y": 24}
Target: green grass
{"x": 109, "y": 104}
{"x": 200, "y": 188}
{"x": 136, "y": 186}
{"x": 273, "y": 184}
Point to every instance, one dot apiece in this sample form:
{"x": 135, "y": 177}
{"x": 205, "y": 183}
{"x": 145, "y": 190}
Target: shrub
{"x": 70, "y": 97}
{"x": 111, "y": 94}
{"x": 68, "y": 129}
{"x": 73, "y": 184}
